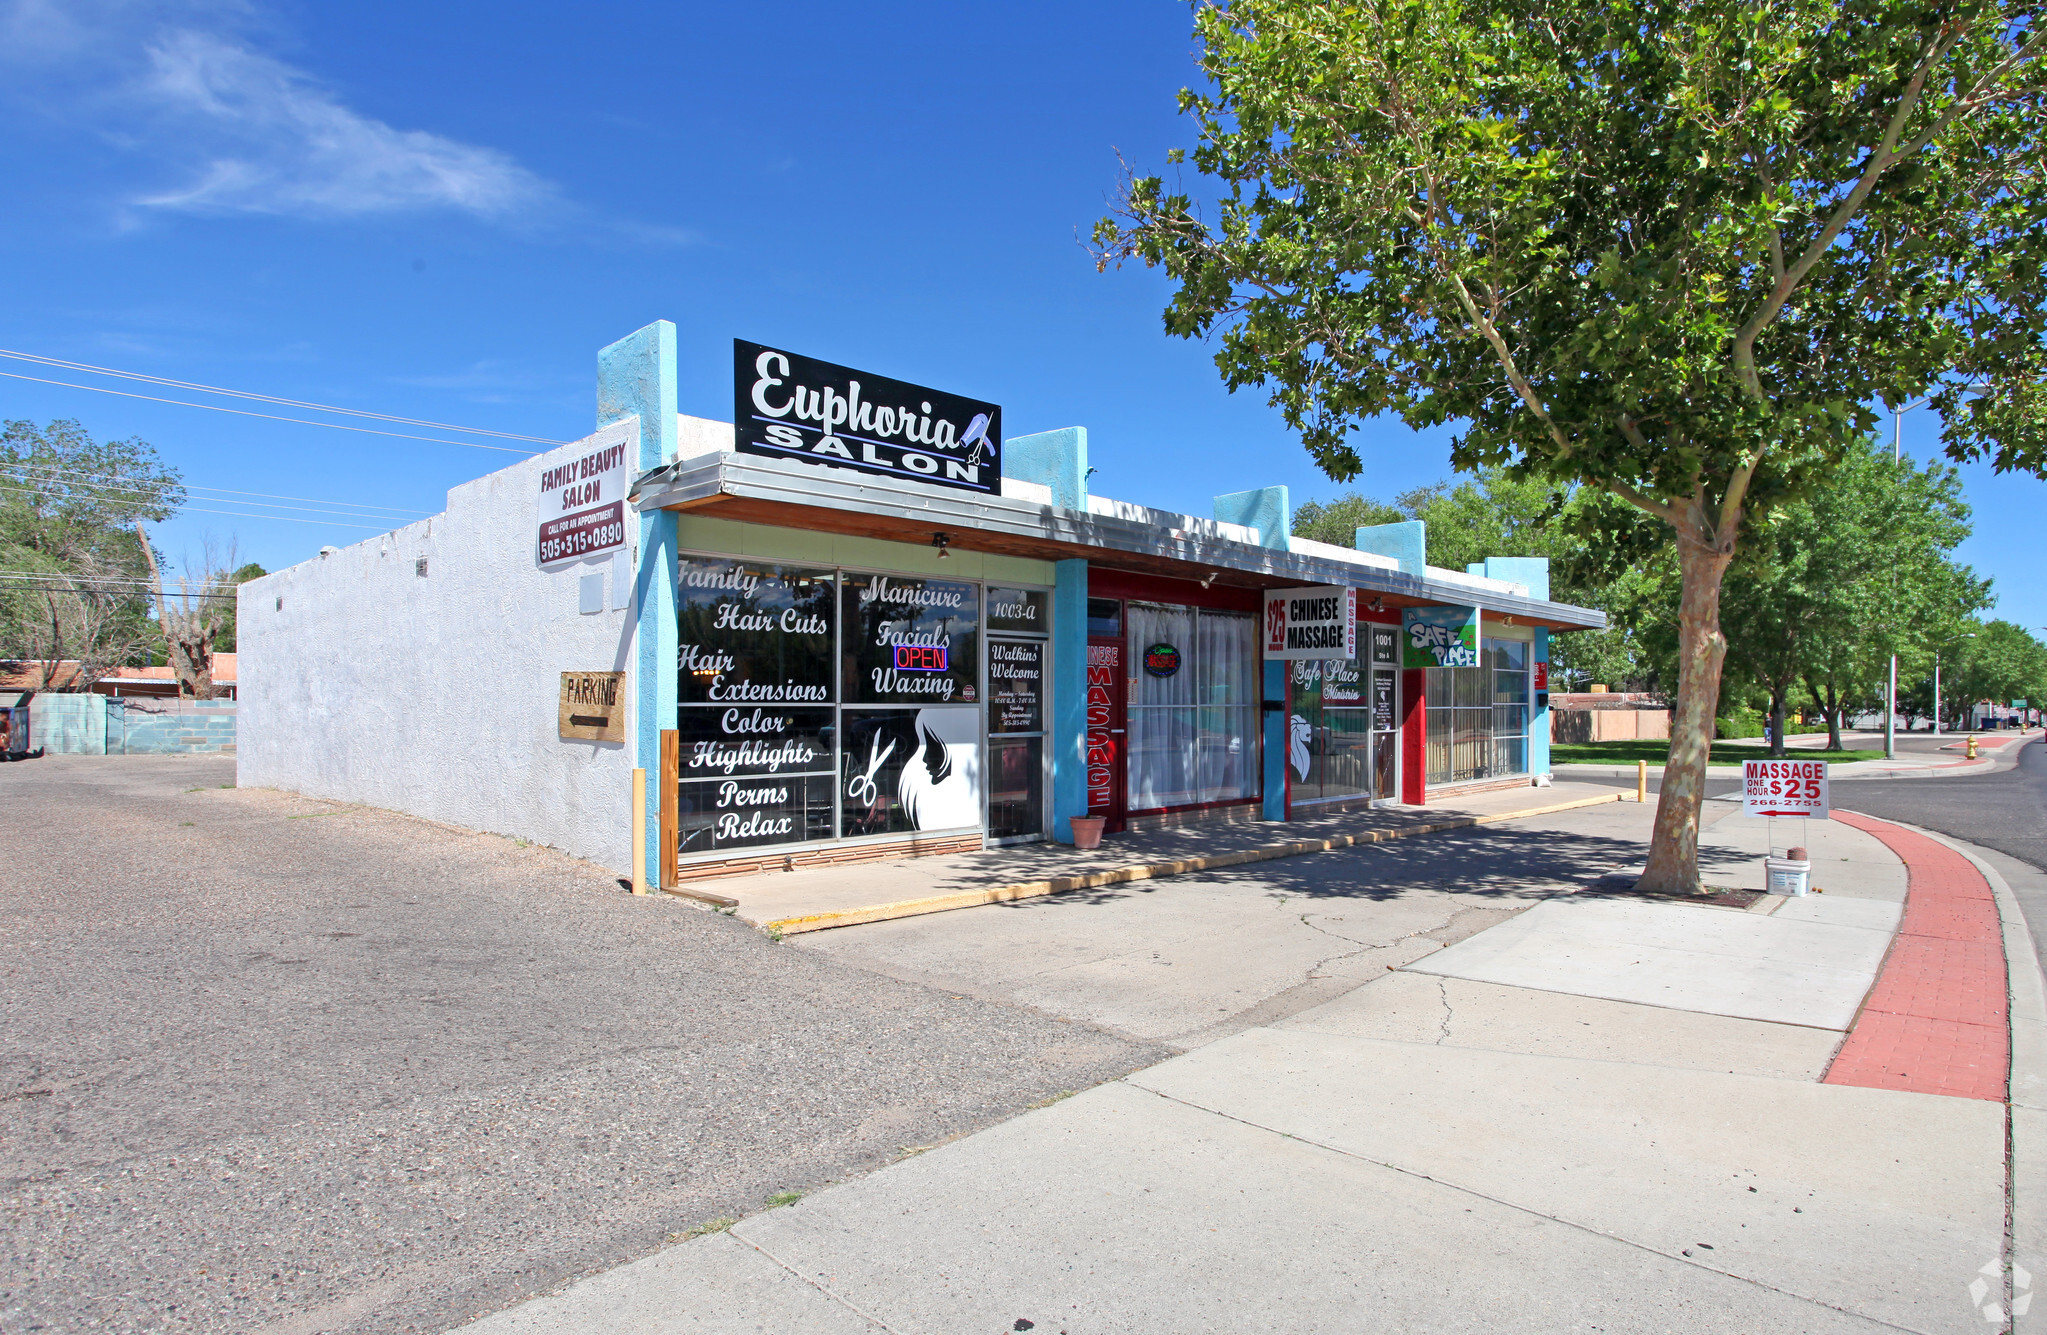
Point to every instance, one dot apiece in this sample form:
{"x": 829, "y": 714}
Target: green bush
{"x": 1737, "y": 723}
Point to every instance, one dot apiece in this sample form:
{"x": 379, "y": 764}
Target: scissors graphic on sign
{"x": 863, "y": 789}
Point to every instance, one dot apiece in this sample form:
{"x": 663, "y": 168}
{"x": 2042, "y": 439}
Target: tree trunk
{"x": 1776, "y": 718}
{"x": 1674, "y": 846}
{"x": 1832, "y": 709}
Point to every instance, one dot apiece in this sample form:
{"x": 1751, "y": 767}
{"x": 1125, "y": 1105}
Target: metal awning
{"x": 824, "y": 499}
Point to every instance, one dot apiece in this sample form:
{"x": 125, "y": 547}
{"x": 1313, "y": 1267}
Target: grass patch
{"x": 1657, "y": 753}
{"x": 1051, "y": 1099}
{"x": 782, "y": 1198}
{"x": 712, "y": 1226}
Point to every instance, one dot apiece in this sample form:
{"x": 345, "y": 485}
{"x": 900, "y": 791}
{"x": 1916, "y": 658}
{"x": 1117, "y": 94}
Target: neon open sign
{"x": 920, "y": 658}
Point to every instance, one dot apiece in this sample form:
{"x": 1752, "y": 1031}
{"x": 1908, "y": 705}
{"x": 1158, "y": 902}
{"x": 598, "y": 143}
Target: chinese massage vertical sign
{"x": 788, "y": 406}
{"x": 582, "y": 495}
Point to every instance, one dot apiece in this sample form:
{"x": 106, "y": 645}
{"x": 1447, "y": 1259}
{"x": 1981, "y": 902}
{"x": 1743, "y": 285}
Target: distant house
{"x": 122, "y": 683}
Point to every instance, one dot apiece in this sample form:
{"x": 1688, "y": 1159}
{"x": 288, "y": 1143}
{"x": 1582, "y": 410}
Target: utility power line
{"x": 273, "y": 417}
{"x": 60, "y": 362}
{"x": 117, "y": 479}
{"x": 250, "y": 514}
{"x": 56, "y": 487}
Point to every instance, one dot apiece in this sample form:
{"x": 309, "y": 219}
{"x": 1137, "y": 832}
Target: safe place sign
{"x": 1784, "y": 788}
{"x": 788, "y": 406}
{"x": 582, "y": 496}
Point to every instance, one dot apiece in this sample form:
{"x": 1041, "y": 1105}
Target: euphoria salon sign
{"x": 787, "y": 406}
{"x": 1320, "y": 622}
{"x": 582, "y": 497}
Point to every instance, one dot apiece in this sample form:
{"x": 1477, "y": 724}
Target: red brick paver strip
{"x": 1937, "y": 1020}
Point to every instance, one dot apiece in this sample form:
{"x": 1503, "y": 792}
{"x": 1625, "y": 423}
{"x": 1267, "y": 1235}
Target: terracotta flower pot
{"x": 1087, "y": 830}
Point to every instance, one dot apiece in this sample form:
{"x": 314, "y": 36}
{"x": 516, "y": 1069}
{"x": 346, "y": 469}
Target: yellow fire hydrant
{"x": 1972, "y": 746}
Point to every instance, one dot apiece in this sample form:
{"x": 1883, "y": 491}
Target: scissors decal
{"x": 863, "y": 789}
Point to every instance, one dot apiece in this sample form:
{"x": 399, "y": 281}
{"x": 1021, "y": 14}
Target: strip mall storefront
{"x": 879, "y": 652}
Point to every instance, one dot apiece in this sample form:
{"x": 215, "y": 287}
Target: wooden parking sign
{"x": 593, "y": 707}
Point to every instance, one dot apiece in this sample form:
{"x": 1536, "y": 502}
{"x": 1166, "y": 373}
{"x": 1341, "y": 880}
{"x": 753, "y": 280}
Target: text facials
{"x": 884, "y": 613}
{"x": 1439, "y": 637}
{"x": 582, "y": 500}
{"x": 1320, "y": 622}
{"x": 787, "y": 406}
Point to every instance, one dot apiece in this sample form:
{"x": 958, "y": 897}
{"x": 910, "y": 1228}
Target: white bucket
{"x": 1785, "y": 877}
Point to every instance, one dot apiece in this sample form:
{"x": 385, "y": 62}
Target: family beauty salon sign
{"x": 787, "y": 406}
{"x": 582, "y": 498}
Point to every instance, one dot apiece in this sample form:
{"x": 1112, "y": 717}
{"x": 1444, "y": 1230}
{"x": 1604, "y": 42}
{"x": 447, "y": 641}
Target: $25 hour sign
{"x": 1784, "y": 788}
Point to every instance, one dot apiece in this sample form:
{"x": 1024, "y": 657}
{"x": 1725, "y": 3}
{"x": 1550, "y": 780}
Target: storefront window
{"x": 1478, "y": 716}
{"x": 756, "y": 688}
{"x": 815, "y": 704}
{"x": 1193, "y": 706}
{"x": 1329, "y": 731}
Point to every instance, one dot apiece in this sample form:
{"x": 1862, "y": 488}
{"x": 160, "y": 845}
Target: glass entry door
{"x": 1385, "y": 698}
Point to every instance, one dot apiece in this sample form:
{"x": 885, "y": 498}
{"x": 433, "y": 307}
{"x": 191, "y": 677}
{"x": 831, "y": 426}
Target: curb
{"x": 2026, "y": 1080}
{"x": 1058, "y": 885}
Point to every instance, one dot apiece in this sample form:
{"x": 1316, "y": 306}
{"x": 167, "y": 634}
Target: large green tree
{"x": 1838, "y": 580}
{"x": 1674, "y": 251}
{"x": 74, "y": 574}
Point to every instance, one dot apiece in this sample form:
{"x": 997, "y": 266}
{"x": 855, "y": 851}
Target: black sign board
{"x": 1020, "y": 610}
{"x": 1382, "y": 701}
{"x": 911, "y": 641}
{"x": 787, "y": 406}
{"x": 1016, "y": 685}
{"x": 1386, "y": 645}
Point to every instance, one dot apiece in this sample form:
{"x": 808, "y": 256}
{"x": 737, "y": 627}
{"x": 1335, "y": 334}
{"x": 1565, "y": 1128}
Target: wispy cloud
{"x": 275, "y": 141}
{"x": 191, "y": 88}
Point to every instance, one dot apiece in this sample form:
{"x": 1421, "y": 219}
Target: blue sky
{"x": 442, "y": 211}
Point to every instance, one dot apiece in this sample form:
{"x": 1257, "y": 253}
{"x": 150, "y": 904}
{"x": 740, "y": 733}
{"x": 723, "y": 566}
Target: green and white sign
{"x": 1439, "y": 637}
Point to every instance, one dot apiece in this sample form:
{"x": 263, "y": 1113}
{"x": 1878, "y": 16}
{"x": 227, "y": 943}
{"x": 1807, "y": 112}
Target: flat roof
{"x": 824, "y": 499}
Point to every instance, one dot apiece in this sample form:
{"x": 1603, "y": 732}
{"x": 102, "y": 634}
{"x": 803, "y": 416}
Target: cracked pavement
{"x": 263, "y": 1072}
{"x": 1186, "y": 960}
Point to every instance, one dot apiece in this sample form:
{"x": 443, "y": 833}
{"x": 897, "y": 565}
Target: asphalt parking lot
{"x": 279, "y": 1065}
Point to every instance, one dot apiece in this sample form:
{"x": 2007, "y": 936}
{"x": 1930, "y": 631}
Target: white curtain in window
{"x": 1161, "y": 736}
{"x": 1226, "y": 726}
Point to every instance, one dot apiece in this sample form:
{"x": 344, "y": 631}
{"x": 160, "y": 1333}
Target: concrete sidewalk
{"x": 817, "y": 899}
{"x": 1432, "y": 1151}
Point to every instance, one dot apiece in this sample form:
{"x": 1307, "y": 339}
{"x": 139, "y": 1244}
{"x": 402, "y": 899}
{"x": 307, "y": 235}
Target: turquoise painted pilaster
{"x": 1406, "y": 542}
{"x": 1264, "y": 508}
{"x": 1068, "y": 734}
{"x": 1055, "y": 459}
{"x": 636, "y": 378}
{"x": 1538, "y": 722}
{"x": 1275, "y": 742}
{"x": 1530, "y": 570}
